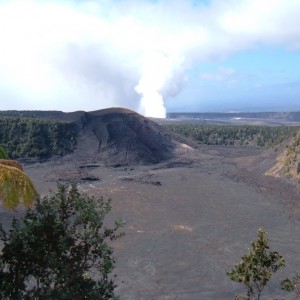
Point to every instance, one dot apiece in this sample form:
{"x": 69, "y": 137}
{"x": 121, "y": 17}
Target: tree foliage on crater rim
{"x": 31, "y": 137}
{"x": 261, "y": 136}
{"x": 60, "y": 249}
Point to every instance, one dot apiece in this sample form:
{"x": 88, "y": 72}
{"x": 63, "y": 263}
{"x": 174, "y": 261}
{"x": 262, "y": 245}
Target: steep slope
{"x": 120, "y": 136}
{"x": 281, "y": 161}
{"x": 287, "y": 162}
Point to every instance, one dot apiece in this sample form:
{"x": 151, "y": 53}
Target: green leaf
{"x": 257, "y": 267}
{"x": 15, "y": 187}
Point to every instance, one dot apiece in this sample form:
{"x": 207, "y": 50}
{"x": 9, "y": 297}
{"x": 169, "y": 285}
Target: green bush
{"x": 59, "y": 250}
{"x": 257, "y": 267}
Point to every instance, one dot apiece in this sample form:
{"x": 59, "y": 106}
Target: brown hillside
{"x": 287, "y": 160}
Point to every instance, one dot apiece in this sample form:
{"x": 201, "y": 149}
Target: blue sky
{"x": 150, "y": 56}
{"x": 264, "y": 78}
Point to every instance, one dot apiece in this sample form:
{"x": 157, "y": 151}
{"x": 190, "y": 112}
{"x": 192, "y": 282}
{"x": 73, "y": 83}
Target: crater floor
{"x": 188, "y": 221}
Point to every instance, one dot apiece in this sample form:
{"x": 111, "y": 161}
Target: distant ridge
{"x": 289, "y": 116}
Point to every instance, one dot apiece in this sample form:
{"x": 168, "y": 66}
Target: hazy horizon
{"x": 216, "y": 110}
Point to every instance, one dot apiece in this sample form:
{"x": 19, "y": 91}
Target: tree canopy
{"x": 261, "y": 136}
{"x": 60, "y": 249}
{"x": 32, "y": 137}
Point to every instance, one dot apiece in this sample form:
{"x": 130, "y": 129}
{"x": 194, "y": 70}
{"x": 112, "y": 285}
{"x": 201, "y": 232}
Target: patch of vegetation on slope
{"x": 30, "y": 137}
{"x": 261, "y": 136}
{"x": 288, "y": 162}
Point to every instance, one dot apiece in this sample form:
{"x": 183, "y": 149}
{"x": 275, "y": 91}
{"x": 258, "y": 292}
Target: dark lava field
{"x": 188, "y": 220}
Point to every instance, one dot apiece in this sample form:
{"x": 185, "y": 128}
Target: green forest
{"x": 30, "y": 137}
{"x": 261, "y": 136}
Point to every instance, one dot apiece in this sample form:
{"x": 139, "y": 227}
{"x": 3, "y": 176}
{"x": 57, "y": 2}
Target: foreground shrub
{"x": 15, "y": 186}
{"x": 257, "y": 266}
{"x": 59, "y": 250}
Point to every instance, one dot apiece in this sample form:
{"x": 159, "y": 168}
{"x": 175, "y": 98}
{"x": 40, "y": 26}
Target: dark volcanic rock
{"x": 132, "y": 138}
{"x": 119, "y": 136}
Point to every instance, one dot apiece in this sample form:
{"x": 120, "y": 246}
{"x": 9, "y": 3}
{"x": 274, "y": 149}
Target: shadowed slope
{"x": 121, "y": 136}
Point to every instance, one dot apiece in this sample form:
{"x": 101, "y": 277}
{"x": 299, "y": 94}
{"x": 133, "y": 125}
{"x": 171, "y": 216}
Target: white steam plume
{"x": 86, "y": 55}
{"x": 157, "y": 70}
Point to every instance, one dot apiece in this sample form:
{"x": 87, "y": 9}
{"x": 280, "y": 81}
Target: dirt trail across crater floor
{"x": 187, "y": 222}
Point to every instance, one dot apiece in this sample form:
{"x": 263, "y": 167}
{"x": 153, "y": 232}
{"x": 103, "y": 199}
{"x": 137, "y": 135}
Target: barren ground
{"x": 188, "y": 222}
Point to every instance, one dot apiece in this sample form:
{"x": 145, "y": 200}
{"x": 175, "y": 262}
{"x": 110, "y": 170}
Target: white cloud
{"x": 93, "y": 54}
